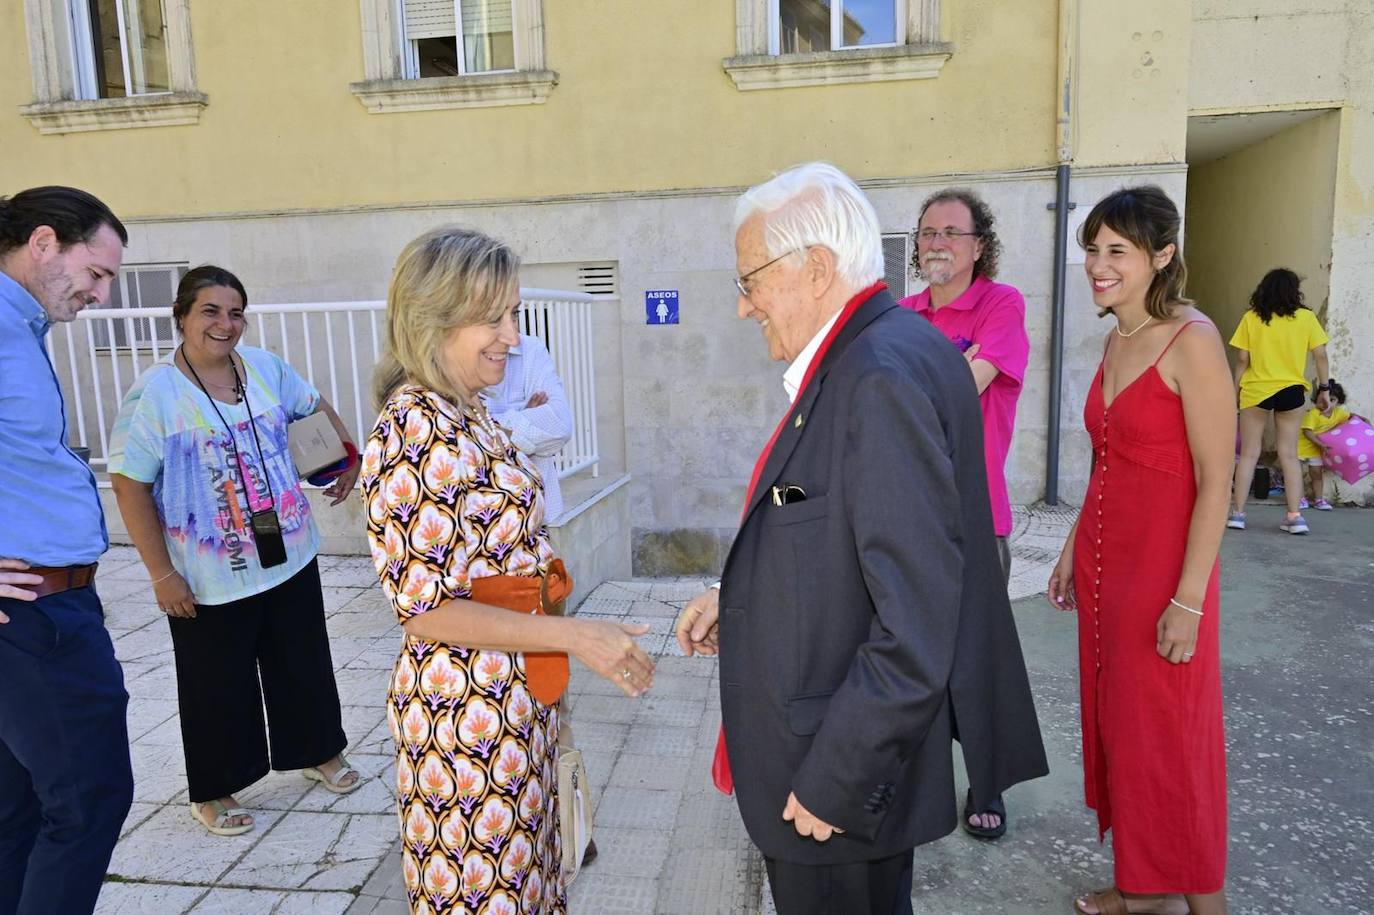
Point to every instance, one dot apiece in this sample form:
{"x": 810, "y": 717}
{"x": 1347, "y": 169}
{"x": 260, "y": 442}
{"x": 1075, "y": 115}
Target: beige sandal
{"x": 1108, "y": 902}
{"x": 333, "y": 783}
{"x": 220, "y": 826}
{"x": 1111, "y": 902}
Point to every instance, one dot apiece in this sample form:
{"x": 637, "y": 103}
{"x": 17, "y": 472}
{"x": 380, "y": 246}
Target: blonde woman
{"x": 456, "y": 511}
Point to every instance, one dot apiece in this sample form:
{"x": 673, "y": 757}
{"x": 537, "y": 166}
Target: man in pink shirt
{"x": 956, "y": 253}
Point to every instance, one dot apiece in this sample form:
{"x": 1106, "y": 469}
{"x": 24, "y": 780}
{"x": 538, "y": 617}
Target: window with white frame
{"x": 120, "y": 48}
{"x": 789, "y": 43}
{"x": 458, "y": 37}
{"x": 108, "y": 64}
{"x": 427, "y": 54}
{"x": 797, "y": 26}
{"x": 140, "y": 286}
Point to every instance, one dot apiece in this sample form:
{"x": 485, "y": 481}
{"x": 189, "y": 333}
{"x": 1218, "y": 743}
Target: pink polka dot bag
{"x": 1349, "y": 449}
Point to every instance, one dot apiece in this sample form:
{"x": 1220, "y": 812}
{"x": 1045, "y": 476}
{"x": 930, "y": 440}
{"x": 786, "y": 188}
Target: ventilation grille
{"x": 598, "y": 279}
{"x": 896, "y": 259}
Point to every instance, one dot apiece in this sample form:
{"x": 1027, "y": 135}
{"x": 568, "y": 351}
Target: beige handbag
{"x": 574, "y": 791}
{"x": 575, "y": 805}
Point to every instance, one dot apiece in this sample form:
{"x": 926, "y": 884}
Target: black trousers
{"x": 881, "y": 887}
{"x": 220, "y": 653}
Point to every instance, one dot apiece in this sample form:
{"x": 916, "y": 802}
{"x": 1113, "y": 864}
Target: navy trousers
{"x": 66, "y": 782}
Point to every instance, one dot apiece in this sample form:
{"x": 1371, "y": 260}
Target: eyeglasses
{"x": 948, "y": 233}
{"x": 741, "y": 280}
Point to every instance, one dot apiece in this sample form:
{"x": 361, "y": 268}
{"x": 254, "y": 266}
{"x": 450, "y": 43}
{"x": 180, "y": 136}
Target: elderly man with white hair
{"x": 861, "y": 605}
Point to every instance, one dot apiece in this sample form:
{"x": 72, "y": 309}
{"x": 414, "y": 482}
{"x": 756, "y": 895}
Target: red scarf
{"x": 720, "y": 763}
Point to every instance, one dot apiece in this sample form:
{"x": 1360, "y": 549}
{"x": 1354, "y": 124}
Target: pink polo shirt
{"x": 992, "y": 315}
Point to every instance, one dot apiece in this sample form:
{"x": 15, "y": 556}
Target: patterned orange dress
{"x": 449, "y": 499}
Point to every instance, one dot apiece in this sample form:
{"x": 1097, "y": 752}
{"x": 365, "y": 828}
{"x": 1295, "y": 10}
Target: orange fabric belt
{"x": 546, "y": 672}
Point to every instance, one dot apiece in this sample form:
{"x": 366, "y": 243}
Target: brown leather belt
{"x": 61, "y": 579}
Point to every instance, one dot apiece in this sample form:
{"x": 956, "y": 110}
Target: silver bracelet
{"x": 1175, "y": 602}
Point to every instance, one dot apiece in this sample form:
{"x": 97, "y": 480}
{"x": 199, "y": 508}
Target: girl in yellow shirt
{"x": 1311, "y": 449}
{"x": 1272, "y": 342}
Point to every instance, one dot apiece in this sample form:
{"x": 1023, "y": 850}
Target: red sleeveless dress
{"x": 1154, "y": 756}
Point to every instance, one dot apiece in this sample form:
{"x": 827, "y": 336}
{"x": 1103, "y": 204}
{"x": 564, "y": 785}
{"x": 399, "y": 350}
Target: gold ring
{"x": 625, "y": 675}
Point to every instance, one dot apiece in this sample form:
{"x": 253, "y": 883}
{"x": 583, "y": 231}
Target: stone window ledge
{"x": 479, "y": 90}
{"x": 824, "y": 68}
{"x": 163, "y": 110}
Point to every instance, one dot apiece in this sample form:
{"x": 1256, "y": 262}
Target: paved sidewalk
{"x": 1298, "y": 631}
{"x": 667, "y": 840}
{"x": 669, "y": 843}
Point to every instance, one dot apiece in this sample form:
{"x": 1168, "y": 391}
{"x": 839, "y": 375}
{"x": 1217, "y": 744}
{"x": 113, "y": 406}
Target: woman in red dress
{"x": 1141, "y": 567}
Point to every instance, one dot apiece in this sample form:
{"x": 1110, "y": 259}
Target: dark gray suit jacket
{"x": 854, "y": 623}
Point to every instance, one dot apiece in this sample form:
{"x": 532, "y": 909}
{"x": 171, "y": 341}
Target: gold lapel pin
{"x": 798, "y": 423}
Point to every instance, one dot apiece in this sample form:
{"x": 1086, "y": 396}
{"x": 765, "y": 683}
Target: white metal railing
{"x": 335, "y": 345}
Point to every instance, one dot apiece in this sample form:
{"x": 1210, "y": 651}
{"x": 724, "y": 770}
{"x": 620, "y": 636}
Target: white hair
{"x": 817, "y": 204}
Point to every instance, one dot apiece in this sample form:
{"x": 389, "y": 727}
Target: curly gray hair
{"x": 986, "y": 264}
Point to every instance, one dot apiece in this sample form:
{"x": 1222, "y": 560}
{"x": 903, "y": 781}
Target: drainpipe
{"x": 1064, "y": 135}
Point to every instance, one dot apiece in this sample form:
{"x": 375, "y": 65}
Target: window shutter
{"x": 429, "y": 19}
{"x": 896, "y": 260}
{"x": 486, "y": 17}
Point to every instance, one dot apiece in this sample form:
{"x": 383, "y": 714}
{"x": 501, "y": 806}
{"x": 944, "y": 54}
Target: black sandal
{"x": 995, "y": 807}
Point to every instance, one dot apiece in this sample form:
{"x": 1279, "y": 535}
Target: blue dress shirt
{"x": 48, "y": 498}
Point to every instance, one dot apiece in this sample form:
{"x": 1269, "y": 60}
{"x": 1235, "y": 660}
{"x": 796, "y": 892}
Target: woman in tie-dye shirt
{"x": 198, "y": 460}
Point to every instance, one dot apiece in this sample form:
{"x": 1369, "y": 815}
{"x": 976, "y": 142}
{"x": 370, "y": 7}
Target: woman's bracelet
{"x": 164, "y": 578}
{"x": 1175, "y": 602}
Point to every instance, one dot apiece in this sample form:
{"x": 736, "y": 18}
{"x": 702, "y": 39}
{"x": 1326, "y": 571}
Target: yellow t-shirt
{"x": 1278, "y": 352}
{"x": 1318, "y": 423}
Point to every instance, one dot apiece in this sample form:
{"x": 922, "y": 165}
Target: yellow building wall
{"x": 642, "y": 104}
{"x": 1262, "y": 55}
{"x": 1268, "y": 205}
{"x": 1132, "y": 82}
{"x": 1305, "y": 55}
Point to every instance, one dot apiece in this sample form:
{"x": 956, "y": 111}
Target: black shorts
{"x": 1292, "y": 397}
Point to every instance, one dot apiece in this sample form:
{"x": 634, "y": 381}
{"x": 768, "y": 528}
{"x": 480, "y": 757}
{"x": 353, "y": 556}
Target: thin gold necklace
{"x": 1137, "y": 330}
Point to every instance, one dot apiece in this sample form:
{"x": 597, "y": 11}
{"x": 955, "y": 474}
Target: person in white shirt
{"x": 530, "y": 403}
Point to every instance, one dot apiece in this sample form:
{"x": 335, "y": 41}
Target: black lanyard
{"x": 241, "y": 389}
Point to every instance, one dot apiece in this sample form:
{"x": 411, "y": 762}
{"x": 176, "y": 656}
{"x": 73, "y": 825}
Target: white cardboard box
{"x": 314, "y": 443}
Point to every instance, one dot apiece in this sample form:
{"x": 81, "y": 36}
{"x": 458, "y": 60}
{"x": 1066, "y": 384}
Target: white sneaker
{"x": 1236, "y": 521}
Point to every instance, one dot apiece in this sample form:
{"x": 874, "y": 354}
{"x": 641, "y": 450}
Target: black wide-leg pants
{"x": 269, "y": 649}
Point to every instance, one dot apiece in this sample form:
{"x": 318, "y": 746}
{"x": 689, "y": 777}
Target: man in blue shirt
{"x": 65, "y": 778}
